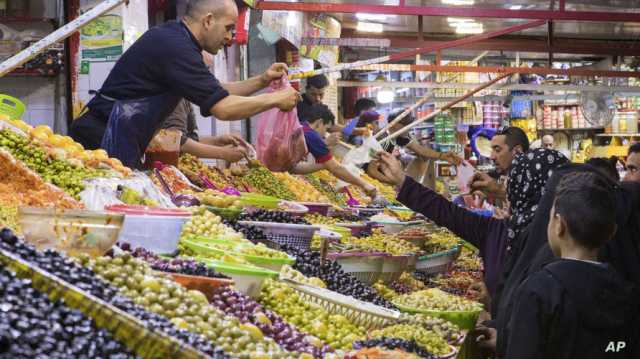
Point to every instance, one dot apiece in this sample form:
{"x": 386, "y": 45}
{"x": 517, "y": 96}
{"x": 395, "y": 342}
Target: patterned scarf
{"x": 528, "y": 176}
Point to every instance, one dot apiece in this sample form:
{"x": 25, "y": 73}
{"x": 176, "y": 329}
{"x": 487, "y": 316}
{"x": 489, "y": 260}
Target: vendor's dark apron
{"x": 133, "y": 123}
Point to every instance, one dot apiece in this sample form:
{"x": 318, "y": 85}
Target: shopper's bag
{"x": 280, "y": 139}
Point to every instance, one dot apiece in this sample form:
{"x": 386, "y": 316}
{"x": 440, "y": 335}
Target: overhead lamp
{"x": 458, "y": 20}
{"x": 474, "y": 28}
{"x": 515, "y": 7}
{"x": 371, "y": 17}
{"x": 386, "y": 94}
{"x": 369, "y": 27}
{"x": 458, "y": 2}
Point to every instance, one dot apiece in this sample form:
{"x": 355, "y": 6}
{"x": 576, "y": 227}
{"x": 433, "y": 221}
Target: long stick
{"x": 420, "y": 50}
{"x": 444, "y": 108}
{"x": 60, "y": 34}
{"x": 421, "y": 102}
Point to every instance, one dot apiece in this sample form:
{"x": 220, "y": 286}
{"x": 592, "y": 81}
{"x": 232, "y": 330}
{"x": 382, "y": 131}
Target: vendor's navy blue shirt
{"x": 166, "y": 59}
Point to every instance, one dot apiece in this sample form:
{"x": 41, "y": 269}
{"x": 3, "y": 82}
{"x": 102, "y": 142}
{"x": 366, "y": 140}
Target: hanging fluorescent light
{"x": 369, "y": 27}
{"x": 458, "y": 20}
{"x": 458, "y": 2}
{"x": 472, "y": 28}
{"x": 371, "y": 17}
{"x": 386, "y": 95}
{"x": 515, "y": 7}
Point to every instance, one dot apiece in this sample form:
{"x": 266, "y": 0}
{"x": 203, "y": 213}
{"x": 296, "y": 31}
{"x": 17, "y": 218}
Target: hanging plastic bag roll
{"x": 280, "y": 140}
{"x": 358, "y": 156}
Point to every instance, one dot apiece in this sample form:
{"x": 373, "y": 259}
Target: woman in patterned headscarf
{"x": 528, "y": 176}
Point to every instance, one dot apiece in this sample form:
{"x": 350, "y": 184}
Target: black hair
{"x": 607, "y": 166}
{"x": 318, "y": 112}
{"x": 515, "y": 136}
{"x": 586, "y": 202}
{"x": 364, "y": 104}
{"x": 396, "y": 112}
{"x": 318, "y": 81}
{"x": 635, "y": 148}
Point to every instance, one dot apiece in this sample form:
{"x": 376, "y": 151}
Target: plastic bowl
{"x": 199, "y": 246}
{"x": 226, "y": 213}
{"x": 157, "y": 230}
{"x": 366, "y": 267}
{"x": 396, "y": 227}
{"x": 298, "y": 235}
{"x": 320, "y": 208}
{"x": 248, "y": 280}
{"x": 356, "y": 228}
{"x": 393, "y": 267}
{"x": 71, "y": 231}
{"x": 466, "y": 320}
{"x": 205, "y": 285}
{"x": 259, "y": 200}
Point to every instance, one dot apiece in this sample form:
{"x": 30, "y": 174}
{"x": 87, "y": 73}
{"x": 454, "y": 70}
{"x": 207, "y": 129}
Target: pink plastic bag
{"x": 280, "y": 139}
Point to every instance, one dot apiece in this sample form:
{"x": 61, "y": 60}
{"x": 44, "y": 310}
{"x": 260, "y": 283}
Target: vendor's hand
{"x": 287, "y": 99}
{"x": 370, "y": 191}
{"x": 233, "y": 153}
{"x": 275, "y": 72}
{"x": 486, "y": 337}
{"x": 483, "y": 182}
{"x": 452, "y": 158}
{"x": 391, "y": 168}
{"x": 232, "y": 140}
{"x": 333, "y": 139}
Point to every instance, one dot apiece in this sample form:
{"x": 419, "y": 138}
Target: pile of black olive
{"x": 251, "y": 233}
{"x": 32, "y": 326}
{"x": 85, "y": 279}
{"x": 272, "y": 216}
{"x": 308, "y": 263}
{"x": 408, "y": 346}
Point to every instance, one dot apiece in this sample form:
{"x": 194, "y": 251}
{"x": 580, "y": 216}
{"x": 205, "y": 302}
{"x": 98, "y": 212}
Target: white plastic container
{"x": 157, "y": 230}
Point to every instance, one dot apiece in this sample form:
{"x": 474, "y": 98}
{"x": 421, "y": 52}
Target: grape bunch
{"x": 85, "y": 279}
{"x": 408, "y": 346}
{"x": 32, "y": 326}
{"x": 272, "y": 216}
{"x": 270, "y": 324}
{"x": 175, "y": 265}
{"x": 308, "y": 263}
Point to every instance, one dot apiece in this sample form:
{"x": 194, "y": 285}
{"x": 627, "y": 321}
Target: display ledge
{"x": 618, "y": 135}
{"x": 572, "y": 129}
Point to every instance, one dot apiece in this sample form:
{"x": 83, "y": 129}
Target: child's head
{"x": 319, "y": 118}
{"x": 583, "y": 214}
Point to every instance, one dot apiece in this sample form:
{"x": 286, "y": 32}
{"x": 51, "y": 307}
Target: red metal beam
{"x": 560, "y": 45}
{"x": 451, "y": 11}
{"x": 514, "y": 70}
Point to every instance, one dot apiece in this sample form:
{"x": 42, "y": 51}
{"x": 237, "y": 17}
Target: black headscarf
{"x": 528, "y": 176}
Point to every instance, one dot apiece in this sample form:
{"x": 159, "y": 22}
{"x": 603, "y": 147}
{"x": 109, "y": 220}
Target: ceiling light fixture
{"x": 457, "y": 20}
{"x": 458, "y": 2}
{"x": 473, "y": 28}
{"x": 385, "y": 94}
{"x": 515, "y": 7}
{"x": 369, "y": 27}
{"x": 371, "y": 17}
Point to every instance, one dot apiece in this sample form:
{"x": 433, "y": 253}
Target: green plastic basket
{"x": 274, "y": 264}
{"x": 463, "y": 319}
{"x": 259, "y": 200}
{"x": 248, "y": 280}
{"x": 226, "y": 213}
{"x": 11, "y": 107}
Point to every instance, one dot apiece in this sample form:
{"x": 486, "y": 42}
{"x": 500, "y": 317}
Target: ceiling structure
{"x": 613, "y": 27}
